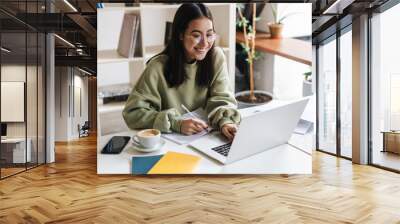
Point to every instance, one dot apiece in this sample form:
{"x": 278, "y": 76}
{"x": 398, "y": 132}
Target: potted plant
{"x": 276, "y": 26}
{"x": 251, "y": 97}
{"x": 307, "y": 84}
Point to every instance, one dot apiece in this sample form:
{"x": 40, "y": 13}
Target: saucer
{"x": 143, "y": 149}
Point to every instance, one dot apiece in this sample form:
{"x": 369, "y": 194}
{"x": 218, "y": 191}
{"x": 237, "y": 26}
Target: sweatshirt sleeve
{"x": 143, "y": 107}
{"x": 221, "y": 104}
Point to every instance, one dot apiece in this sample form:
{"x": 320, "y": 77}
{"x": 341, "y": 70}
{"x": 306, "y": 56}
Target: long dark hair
{"x": 174, "y": 72}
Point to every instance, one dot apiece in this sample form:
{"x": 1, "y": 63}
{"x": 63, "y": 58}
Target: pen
{"x": 192, "y": 115}
{"x": 187, "y": 111}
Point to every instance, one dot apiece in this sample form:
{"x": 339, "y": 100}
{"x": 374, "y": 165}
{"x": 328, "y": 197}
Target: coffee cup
{"x": 147, "y": 138}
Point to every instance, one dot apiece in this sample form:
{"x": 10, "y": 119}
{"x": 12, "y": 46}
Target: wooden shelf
{"x": 150, "y": 51}
{"x": 290, "y": 48}
{"x": 110, "y": 56}
{"x": 224, "y": 48}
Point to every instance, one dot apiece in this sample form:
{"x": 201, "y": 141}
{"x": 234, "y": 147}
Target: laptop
{"x": 262, "y": 128}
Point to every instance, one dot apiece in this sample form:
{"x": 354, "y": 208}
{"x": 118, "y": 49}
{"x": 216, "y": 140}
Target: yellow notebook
{"x": 175, "y": 163}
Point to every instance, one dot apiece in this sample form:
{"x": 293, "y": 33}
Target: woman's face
{"x": 198, "y": 39}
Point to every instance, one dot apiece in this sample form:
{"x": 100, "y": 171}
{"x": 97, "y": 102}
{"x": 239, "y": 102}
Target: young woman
{"x": 190, "y": 72}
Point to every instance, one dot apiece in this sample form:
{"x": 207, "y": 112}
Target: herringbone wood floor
{"x": 70, "y": 191}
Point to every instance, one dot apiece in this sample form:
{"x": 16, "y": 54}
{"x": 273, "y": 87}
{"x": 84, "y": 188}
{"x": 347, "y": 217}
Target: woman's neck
{"x": 190, "y": 61}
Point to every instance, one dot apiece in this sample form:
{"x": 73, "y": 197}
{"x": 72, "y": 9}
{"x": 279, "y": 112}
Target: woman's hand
{"x": 229, "y": 130}
{"x": 192, "y": 126}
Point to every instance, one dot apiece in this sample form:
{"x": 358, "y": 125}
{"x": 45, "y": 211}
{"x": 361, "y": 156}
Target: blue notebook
{"x": 142, "y": 164}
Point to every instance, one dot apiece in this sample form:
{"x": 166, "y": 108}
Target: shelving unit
{"x": 128, "y": 70}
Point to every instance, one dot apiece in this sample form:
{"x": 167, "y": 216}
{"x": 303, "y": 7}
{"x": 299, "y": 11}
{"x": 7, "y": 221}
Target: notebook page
{"x": 186, "y": 139}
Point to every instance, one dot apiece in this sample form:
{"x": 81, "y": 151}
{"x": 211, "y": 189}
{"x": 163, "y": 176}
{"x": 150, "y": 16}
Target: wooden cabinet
{"x": 391, "y": 141}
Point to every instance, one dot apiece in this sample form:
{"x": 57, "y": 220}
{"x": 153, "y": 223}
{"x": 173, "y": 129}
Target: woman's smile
{"x": 198, "y": 39}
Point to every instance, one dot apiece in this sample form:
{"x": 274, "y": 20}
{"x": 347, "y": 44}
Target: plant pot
{"x": 276, "y": 30}
{"x": 307, "y": 88}
{"x": 265, "y": 97}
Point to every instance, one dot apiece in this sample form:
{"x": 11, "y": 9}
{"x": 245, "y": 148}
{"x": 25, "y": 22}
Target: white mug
{"x": 147, "y": 138}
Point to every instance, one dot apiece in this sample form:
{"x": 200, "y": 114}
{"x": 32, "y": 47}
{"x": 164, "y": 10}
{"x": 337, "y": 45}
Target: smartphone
{"x": 115, "y": 145}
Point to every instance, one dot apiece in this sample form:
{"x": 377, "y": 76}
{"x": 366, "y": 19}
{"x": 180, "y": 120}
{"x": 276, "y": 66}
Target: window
{"x": 334, "y": 60}
{"x": 385, "y": 89}
{"x": 22, "y": 66}
{"x": 346, "y": 93}
{"x": 327, "y": 96}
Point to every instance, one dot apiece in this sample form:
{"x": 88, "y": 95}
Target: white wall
{"x": 296, "y": 25}
{"x": 62, "y": 83}
{"x": 278, "y": 75}
{"x": 68, "y": 82}
{"x": 114, "y": 73}
{"x": 80, "y": 84}
{"x": 15, "y": 73}
{"x": 108, "y": 31}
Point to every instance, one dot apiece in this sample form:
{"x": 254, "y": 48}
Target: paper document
{"x": 303, "y": 127}
{"x": 186, "y": 139}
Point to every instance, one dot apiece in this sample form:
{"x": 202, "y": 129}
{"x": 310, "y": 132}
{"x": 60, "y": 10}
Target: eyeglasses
{"x": 197, "y": 38}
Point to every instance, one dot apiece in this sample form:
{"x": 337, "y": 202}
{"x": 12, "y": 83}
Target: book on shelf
{"x": 128, "y": 35}
{"x": 137, "y": 47}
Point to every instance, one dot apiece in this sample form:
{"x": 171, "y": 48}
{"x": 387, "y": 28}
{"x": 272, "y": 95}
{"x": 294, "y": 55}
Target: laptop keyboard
{"x": 223, "y": 149}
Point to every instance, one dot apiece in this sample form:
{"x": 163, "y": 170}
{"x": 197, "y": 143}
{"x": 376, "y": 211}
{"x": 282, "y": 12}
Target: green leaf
{"x": 245, "y": 21}
{"x": 257, "y": 55}
{"x": 274, "y": 12}
{"x": 287, "y": 15}
{"x": 257, "y": 19}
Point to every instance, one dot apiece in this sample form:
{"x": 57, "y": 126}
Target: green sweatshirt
{"x": 153, "y": 104}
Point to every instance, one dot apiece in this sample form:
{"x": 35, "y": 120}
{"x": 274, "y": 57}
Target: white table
{"x": 19, "y": 155}
{"x": 292, "y": 158}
